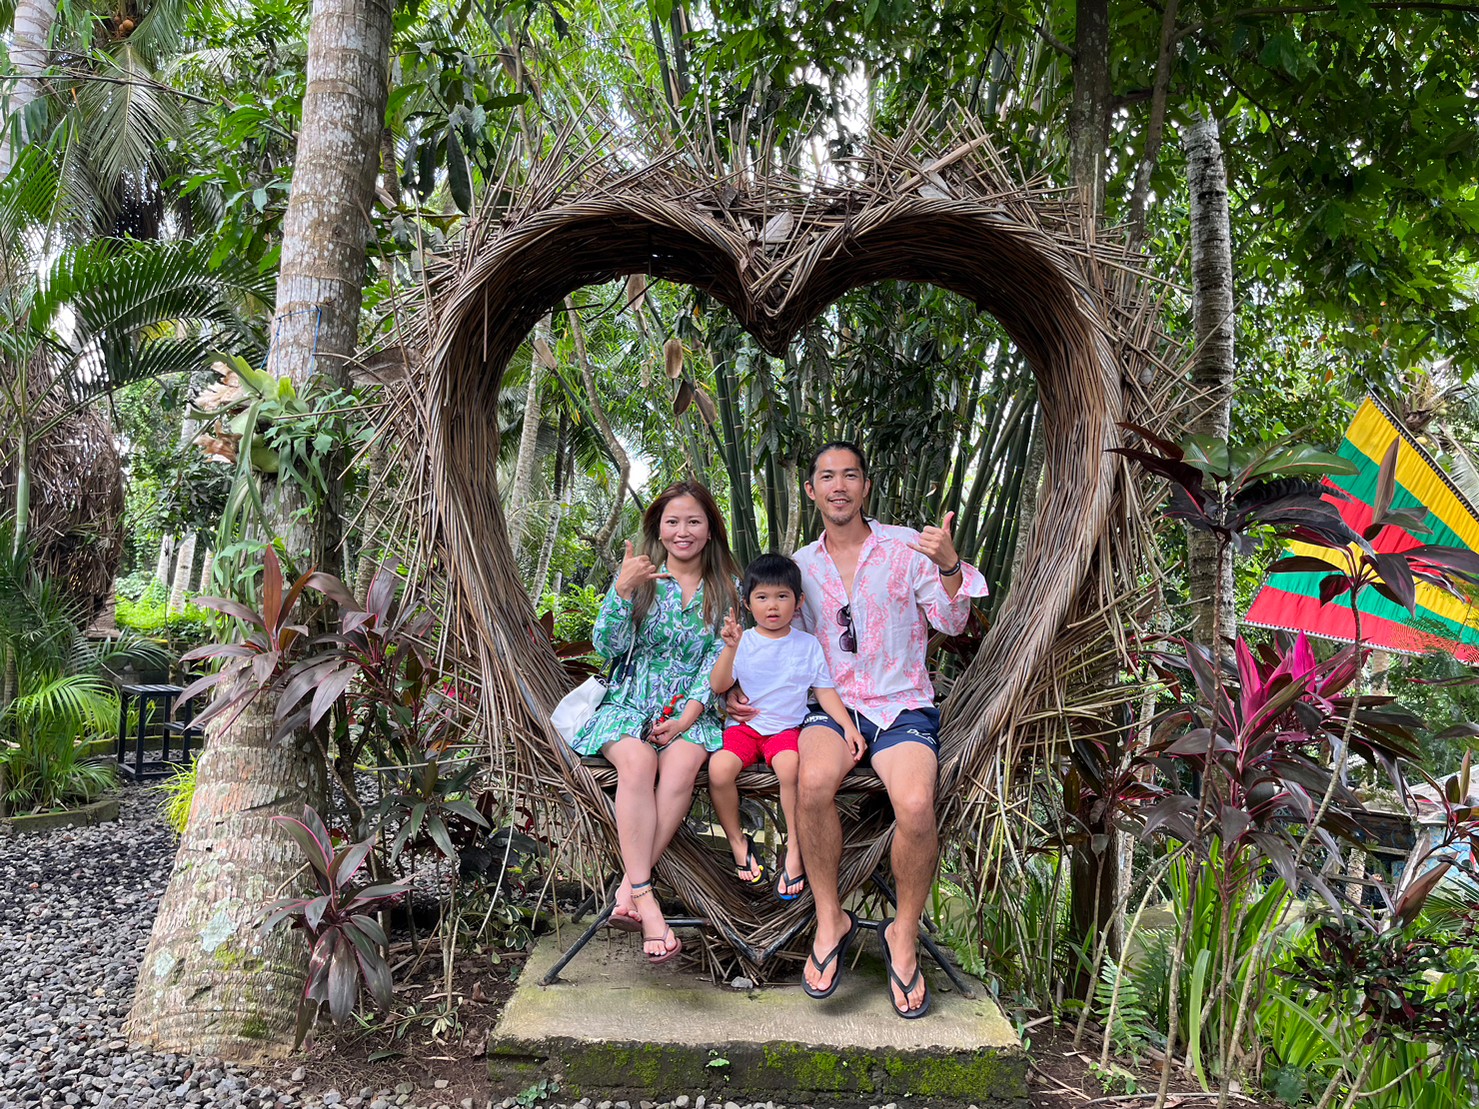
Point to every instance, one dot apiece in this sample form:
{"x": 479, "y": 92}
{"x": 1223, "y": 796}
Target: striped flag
{"x": 1291, "y": 602}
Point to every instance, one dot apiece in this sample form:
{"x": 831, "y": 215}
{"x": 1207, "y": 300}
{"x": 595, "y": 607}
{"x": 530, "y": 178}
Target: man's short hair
{"x": 773, "y": 569}
{"x": 838, "y": 445}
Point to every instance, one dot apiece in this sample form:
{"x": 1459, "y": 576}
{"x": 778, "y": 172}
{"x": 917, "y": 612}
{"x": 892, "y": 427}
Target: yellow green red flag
{"x": 1442, "y": 622}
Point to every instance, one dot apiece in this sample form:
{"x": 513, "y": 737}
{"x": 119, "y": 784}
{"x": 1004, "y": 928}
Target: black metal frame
{"x": 162, "y": 697}
{"x": 926, "y": 936}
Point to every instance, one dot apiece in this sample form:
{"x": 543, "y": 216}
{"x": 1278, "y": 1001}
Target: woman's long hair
{"x": 719, "y": 569}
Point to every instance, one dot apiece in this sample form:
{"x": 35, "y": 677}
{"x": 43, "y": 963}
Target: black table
{"x": 162, "y": 698}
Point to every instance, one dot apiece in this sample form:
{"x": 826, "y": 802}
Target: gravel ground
{"x": 76, "y": 906}
{"x": 75, "y": 910}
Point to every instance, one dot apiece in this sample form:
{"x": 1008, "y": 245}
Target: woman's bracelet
{"x": 950, "y": 573}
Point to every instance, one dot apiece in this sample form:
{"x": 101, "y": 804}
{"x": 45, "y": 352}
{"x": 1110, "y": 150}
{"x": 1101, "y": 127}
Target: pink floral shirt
{"x": 897, "y": 595}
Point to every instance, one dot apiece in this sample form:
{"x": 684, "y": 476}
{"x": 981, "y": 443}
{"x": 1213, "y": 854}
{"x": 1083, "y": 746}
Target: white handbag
{"x": 580, "y": 704}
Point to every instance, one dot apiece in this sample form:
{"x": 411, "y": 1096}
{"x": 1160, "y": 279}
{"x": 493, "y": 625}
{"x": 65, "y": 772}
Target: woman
{"x": 656, "y": 724}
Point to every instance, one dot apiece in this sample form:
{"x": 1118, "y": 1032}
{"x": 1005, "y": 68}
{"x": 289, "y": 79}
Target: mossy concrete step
{"x": 615, "y": 1026}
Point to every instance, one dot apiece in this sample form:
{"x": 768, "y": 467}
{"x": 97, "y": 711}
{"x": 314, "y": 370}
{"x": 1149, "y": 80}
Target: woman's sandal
{"x": 623, "y": 923}
{"x": 752, "y": 862}
{"x": 639, "y": 888}
{"x": 904, "y": 987}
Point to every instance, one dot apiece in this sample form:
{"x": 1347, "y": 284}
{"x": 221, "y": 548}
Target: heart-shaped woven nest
{"x": 942, "y": 209}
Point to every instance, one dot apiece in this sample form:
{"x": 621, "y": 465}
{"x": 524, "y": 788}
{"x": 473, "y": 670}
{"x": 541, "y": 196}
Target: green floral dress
{"x": 675, "y": 654}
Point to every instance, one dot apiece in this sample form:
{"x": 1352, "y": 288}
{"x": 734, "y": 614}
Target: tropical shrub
{"x": 347, "y": 944}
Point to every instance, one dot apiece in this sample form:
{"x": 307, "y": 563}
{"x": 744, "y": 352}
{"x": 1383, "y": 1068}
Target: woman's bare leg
{"x": 636, "y": 810}
{"x": 677, "y": 768}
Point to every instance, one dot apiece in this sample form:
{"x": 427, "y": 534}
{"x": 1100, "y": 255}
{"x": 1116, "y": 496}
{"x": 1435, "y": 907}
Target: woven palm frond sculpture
{"x": 937, "y": 208}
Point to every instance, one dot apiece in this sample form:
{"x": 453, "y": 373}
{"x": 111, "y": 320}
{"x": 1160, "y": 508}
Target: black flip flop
{"x": 839, "y": 953}
{"x": 895, "y": 980}
{"x": 785, "y": 879}
{"x": 752, "y": 859}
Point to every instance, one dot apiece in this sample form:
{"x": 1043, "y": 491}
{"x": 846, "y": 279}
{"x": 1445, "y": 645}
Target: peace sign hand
{"x": 636, "y": 570}
{"x": 731, "y": 631}
{"x": 938, "y": 545}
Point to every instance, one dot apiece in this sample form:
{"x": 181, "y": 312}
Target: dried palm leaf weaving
{"x": 941, "y": 208}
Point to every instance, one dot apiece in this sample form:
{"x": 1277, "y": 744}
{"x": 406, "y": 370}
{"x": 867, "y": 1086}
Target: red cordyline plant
{"x": 273, "y": 642}
{"x": 346, "y": 943}
{"x": 1249, "y": 771}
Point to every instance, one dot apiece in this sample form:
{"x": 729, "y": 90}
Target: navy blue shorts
{"x": 910, "y": 726}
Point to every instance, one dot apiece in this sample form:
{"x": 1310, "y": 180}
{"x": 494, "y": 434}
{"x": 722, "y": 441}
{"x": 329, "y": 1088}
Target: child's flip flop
{"x": 752, "y": 862}
{"x": 904, "y": 988}
{"x": 787, "y": 880}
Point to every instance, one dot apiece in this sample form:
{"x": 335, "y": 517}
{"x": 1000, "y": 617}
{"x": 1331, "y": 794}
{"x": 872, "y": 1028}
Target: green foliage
{"x": 58, "y": 697}
{"x": 574, "y": 611}
{"x": 149, "y": 615}
{"x": 1404, "y": 1034}
{"x": 176, "y": 796}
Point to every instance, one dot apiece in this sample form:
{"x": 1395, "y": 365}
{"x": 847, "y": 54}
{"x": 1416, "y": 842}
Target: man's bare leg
{"x": 825, "y": 761}
{"x": 908, "y": 772}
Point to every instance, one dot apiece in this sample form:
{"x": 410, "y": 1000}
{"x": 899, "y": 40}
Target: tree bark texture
{"x": 210, "y": 982}
{"x": 1088, "y": 113}
{"x": 28, "y": 57}
{"x": 184, "y": 563}
{"x": 519, "y": 502}
{"x": 1212, "y": 362}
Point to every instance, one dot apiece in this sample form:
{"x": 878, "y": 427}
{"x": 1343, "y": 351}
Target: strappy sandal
{"x": 839, "y": 954}
{"x": 752, "y": 862}
{"x": 638, "y": 889}
{"x": 895, "y": 980}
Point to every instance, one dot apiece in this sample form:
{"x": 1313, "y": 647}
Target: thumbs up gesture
{"x": 938, "y": 544}
{"x": 636, "y": 570}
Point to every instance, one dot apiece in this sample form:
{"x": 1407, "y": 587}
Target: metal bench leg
{"x": 574, "y": 949}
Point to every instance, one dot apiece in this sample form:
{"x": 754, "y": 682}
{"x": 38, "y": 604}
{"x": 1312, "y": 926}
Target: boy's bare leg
{"x": 786, "y": 765}
{"x": 825, "y": 761}
{"x": 724, "y": 768}
{"x": 908, "y": 772}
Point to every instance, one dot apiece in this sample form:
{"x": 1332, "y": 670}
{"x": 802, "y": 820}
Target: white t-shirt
{"x": 777, "y": 675}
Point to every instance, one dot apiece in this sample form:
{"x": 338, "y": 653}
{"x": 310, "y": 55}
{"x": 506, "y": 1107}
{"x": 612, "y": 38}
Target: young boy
{"x": 777, "y": 665}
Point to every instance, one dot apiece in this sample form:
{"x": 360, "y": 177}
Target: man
{"x": 871, "y": 593}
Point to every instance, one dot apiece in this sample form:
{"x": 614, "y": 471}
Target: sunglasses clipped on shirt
{"x": 848, "y": 640}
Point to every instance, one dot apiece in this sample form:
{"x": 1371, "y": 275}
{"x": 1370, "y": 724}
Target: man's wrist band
{"x": 950, "y": 573}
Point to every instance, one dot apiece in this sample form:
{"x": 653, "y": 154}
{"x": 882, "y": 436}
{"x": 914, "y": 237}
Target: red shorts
{"x": 750, "y": 746}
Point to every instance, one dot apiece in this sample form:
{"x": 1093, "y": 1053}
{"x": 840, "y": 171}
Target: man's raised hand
{"x": 938, "y": 544}
{"x": 731, "y": 631}
{"x": 636, "y": 570}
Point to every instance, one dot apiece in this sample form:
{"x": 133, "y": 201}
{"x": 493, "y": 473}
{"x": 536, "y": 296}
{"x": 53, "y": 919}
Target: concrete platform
{"x": 614, "y": 1026}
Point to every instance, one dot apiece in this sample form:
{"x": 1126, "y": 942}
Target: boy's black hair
{"x": 837, "y": 445}
{"x": 772, "y": 569}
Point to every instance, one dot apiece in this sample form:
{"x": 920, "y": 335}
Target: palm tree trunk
{"x": 522, "y": 494}
{"x": 210, "y": 982}
{"x": 1212, "y": 362}
{"x": 34, "y": 20}
{"x": 184, "y": 563}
